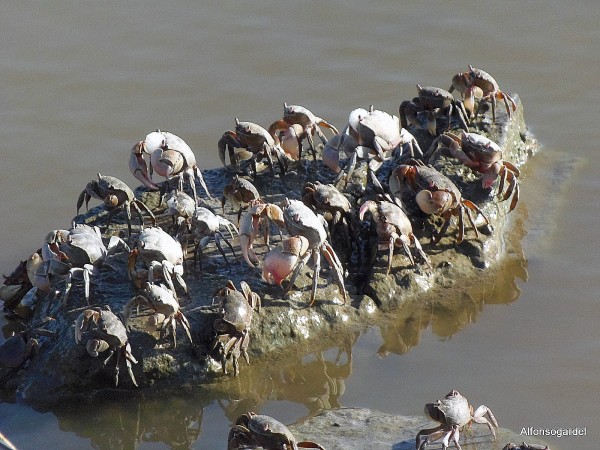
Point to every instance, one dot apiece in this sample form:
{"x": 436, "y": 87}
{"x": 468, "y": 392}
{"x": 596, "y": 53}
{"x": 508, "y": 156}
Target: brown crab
{"x": 476, "y": 82}
{"x": 233, "y": 325}
{"x": 257, "y": 143}
{"x": 301, "y": 123}
{"x": 20, "y": 347}
{"x": 484, "y": 156}
{"x": 241, "y": 193}
{"x": 453, "y": 412}
{"x": 328, "y": 200}
{"x": 166, "y": 309}
{"x": 104, "y": 331}
{"x": 252, "y": 430}
{"x": 117, "y": 196}
{"x": 394, "y": 230}
{"x": 435, "y": 193}
{"x": 431, "y": 103}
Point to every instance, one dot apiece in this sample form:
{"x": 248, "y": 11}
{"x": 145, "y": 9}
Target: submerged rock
{"x": 344, "y": 428}
{"x": 285, "y": 325}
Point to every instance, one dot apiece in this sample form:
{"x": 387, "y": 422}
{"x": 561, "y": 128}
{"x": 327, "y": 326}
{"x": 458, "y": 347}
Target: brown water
{"x": 82, "y": 82}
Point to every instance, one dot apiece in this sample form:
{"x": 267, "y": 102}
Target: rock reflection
{"x": 317, "y": 381}
{"x": 125, "y": 425}
{"x": 450, "y": 313}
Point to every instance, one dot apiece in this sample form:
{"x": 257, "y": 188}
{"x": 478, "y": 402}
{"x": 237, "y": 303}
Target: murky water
{"x": 81, "y": 83}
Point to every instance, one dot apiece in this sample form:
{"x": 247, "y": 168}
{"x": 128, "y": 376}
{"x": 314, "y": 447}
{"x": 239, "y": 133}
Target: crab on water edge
{"x": 476, "y": 83}
{"x": 166, "y": 309}
{"x": 163, "y": 256}
{"x": 251, "y": 430}
{"x": 484, "y": 156}
{"x": 104, "y": 331}
{"x": 301, "y": 221}
{"x": 116, "y": 196}
{"x": 432, "y": 102}
{"x": 453, "y": 412}
{"x": 170, "y": 157}
{"x": 393, "y": 229}
{"x": 232, "y": 327}
{"x": 79, "y": 251}
{"x": 257, "y": 143}
{"x": 436, "y": 194}
{"x": 300, "y": 123}
{"x": 376, "y": 136}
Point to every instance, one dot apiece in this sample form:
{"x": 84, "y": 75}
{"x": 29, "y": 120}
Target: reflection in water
{"x": 124, "y": 425}
{"x": 448, "y": 315}
{"x": 315, "y": 381}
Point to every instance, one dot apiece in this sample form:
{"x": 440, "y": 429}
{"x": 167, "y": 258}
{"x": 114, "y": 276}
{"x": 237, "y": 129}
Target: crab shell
{"x": 16, "y": 350}
{"x": 236, "y": 308}
{"x": 481, "y": 150}
{"x": 378, "y": 128}
{"x": 84, "y": 245}
{"x": 155, "y": 244}
{"x": 454, "y": 409}
{"x": 169, "y": 154}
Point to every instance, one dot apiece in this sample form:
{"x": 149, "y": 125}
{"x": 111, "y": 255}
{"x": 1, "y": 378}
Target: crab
{"x": 232, "y": 328}
{"x": 116, "y": 196}
{"x": 394, "y": 230}
{"x": 432, "y": 102}
{"x": 180, "y": 206}
{"x": 258, "y": 144}
{"x": 251, "y": 430}
{"x": 82, "y": 250}
{"x": 20, "y": 347}
{"x": 280, "y": 262}
{"x": 436, "y": 194}
{"x": 484, "y": 156}
{"x": 525, "y": 446}
{"x": 301, "y": 123}
{"x": 104, "y": 331}
{"x": 15, "y": 286}
{"x": 86, "y": 253}
{"x": 163, "y": 256}
{"x": 170, "y": 156}
{"x": 241, "y": 193}
{"x": 478, "y": 83}
{"x": 258, "y": 213}
{"x": 166, "y": 309}
{"x": 205, "y": 226}
{"x": 453, "y": 412}
{"x": 326, "y": 198}
{"x": 377, "y": 135}
{"x": 300, "y": 220}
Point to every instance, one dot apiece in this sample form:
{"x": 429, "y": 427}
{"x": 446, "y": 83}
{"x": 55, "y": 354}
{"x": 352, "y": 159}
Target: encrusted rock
{"x": 285, "y": 324}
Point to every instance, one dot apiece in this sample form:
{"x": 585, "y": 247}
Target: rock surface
{"x": 348, "y": 428}
{"x": 285, "y": 324}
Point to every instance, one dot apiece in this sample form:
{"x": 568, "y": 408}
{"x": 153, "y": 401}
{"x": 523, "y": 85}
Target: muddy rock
{"x": 285, "y": 325}
{"x": 345, "y": 428}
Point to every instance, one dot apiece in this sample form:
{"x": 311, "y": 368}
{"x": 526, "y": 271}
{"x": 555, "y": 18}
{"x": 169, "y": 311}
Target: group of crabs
{"x": 371, "y": 136}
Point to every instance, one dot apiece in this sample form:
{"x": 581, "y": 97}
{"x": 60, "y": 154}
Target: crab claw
{"x": 280, "y": 262}
{"x": 138, "y": 166}
{"x": 433, "y": 203}
{"x": 169, "y": 163}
